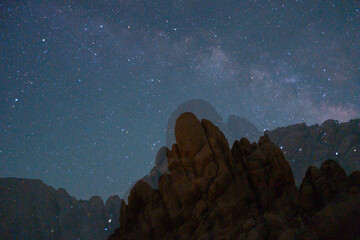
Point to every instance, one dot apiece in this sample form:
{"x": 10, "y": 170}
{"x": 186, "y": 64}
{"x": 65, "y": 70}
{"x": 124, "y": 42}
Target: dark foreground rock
{"x": 248, "y": 192}
{"x": 29, "y": 209}
{"x": 304, "y": 145}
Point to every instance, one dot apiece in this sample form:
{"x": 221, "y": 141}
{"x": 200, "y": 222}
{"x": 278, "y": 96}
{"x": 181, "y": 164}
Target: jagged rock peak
{"x": 248, "y": 192}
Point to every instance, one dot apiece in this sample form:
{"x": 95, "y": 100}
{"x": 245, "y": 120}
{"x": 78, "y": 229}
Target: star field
{"x": 87, "y": 86}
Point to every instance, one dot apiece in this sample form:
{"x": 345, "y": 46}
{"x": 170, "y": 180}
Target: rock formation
{"x": 235, "y": 128}
{"x": 248, "y": 192}
{"x": 200, "y": 108}
{"x": 29, "y": 209}
{"x": 304, "y": 145}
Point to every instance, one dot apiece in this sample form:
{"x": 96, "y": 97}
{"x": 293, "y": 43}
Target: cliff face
{"x": 248, "y": 192}
{"x": 29, "y": 209}
{"x": 305, "y": 145}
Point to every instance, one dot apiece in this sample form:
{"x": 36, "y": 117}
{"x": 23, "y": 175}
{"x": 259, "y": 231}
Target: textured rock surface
{"x": 29, "y": 209}
{"x": 248, "y": 192}
{"x": 304, "y": 145}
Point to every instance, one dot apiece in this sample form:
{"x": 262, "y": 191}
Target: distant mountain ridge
{"x": 29, "y": 209}
{"x": 304, "y": 145}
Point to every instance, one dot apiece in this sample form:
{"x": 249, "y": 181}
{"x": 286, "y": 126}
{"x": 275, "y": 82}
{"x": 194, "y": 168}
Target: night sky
{"x": 87, "y": 87}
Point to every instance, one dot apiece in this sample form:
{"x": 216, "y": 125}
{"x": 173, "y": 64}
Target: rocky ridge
{"x": 29, "y": 209}
{"x": 304, "y": 145}
{"x": 248, "y": 192}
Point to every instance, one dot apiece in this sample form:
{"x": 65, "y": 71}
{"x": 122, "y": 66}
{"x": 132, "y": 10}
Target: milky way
{"x": 87, "y": 87}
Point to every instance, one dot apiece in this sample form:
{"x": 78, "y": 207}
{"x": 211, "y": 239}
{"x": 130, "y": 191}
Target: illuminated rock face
{"x": 304, "y": 146}
{"x": 248, "y": 192}
{"x": 29, "y": 209}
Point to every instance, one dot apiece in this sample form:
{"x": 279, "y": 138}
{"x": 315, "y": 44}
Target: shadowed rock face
{"x": 304, "y": 145}
{"x": 248, "y": 192}
{"x": 29, "y": 209}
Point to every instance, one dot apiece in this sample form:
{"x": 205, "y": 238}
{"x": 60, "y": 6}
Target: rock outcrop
{"x": 29, "y": 209}
{"x": 235, "y": 128}
{"x": 248, "y": 192}
{"x": 304, "y": 145}
{"x": 200, "y": 108}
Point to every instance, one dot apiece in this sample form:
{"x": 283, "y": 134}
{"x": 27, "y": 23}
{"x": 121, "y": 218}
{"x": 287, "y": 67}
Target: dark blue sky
{"x": 87, "y": 86}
